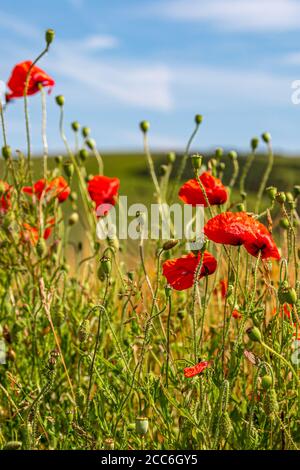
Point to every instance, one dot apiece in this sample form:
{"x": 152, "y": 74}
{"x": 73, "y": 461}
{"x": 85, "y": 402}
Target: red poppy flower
{"x": 180, "y": 271}
{"x": 58, "y": 187}
{"x": 236, "y": 314}
{"x": 31, "y": 234}
{"x": 223, "y": 286}
{"x": 195, "y": 370}
{"x": 5, "y": 203}
{"x": 17, "y": 80}
{"x": 103, "y": 191}
{"x": 191, "y": 193}
{"x": 239, "y": 228}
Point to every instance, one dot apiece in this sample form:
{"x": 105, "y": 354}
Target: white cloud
{"x": 234, "y": 15}
{"x": 91, "y": 43}
{"x": 292, "y": 59}
{"x": 19, "y": 27}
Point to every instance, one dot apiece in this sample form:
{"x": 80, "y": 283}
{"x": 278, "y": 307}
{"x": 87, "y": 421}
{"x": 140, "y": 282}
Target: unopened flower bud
{"x": 83, "y": 155}
{"x": 254, "y": 334}
{"x": 284, "y": 223}
{"x": 69, "y": 168}
{"x": 271, "y": 192}
{"x": 141, "y": 426}
{"x": 219, "y": 153}
{"x": 254, "y": 143}
{"x": 266, "y": 382}
{"x": 296, "y": 190}
{"x": 60, "y": 100}
{"x": 163, "y": 169}
{"x": 105, "y": 264}
{"x": 198, "y": 119}
{"x": 75, "y": 126}
{"x": 144, "y": 126}
{"x": 85, "y": 131}
{"x": 281, "y": 197}
{"x": 168, "y": 245}
{"x": 266, "y": 137}
{"x": 232, "y": 155}
{"x": 171, "y": 157}
{"x": 6, "y": 152}
{"x": 49, "y": 36}
{"x": 168, "y": 291}
{"x": 240, "y": 207}
{"x": 58, "y": 159}
{"x": 91, "y": 144}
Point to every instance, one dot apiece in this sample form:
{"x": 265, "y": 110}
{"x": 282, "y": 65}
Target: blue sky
{"x": 120, "y": 61}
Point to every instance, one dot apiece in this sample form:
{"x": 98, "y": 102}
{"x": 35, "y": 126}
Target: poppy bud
{"x": 73, "y": 196}
{"x": 58, "y": 159}
{"x": 6, "y": 152}
{"x": 49, "y": 36}
{"x": 240, "y": 207}
{"x": 243, "y": 195}
{"x": 144, "y": 126}
{"x": 219, "y": 153}
{"x": 105, "y": 264}
{"x": 60, "y": 100}
{"x": 198, "y": 119}
{"x": 168, "y": 291}
{"x": 254, "y": 334}
{"x": 196, "y": 161}
{"x": 289, "y": 197}
{"x": 69, "y": 168}
{"x": 281, "y": 197}
{"x": 75, "y": 126}
{"x": 41, "y": 247}
{"x": 284, "y": 223}
{"x": 73, "y": 219}
{"x": 296, "y": 190}
{"x": 108, "y": 444}
{"x": 83, "y": 155}
{"x": 221, "y": 166}
{"x": 91, "y": 144}
{"x": 141, "y": 425}
{"x": 168, "y": 245}
{"x": 130, "y": 275}
{"x": 171, "y": 157}
{"x": 85, "y": 131}
{"x": 271, "y": 192}
{"x": 254, "y": 143}
{"x": 266, "y": 137}
{"x": 232, "y": 155}
{"x": 163, "y": 169}
{"x": 266, "y": 382}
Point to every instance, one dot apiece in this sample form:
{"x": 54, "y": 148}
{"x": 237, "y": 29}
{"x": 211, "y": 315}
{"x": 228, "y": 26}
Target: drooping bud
{"x": 75, "y": 126}
{"x": 49, "y": 36}
{"x": 91, "y": 144}
{"x": 168, "y": 245}
{"x": 58, "y": 159}
{"x": 271, "y": 192}
{"x": 6, "y": 152}
{"x": 254, "y": 334}
{"x": 69, "y": 168}
{"x": 198, "y": 119}
{"x": 240, "y": 207}
{"x": 266, "y": 137}
{"x": 60, "y": 100}
{"x": 281, "y": 197}
{"x": 232, "y": 155}
{"x": 284, "y": 223}
{"x": 85, "y": 131}
{"x": 83, "y": 155}
{"x": 266, "y": 382}
{"x": 297, "y": 190}
{"x": 171, "y": 157}
{"x": 163, "y": 170}
{"x": 254, "y": 143}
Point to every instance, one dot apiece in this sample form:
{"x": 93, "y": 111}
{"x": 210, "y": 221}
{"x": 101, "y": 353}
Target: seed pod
{"x": 281, "y": 197}
{"x": 144, "y": 126}
{"x": 91, "y": 144}
{"x": 84, "y": 331}
{"x": 225, "y": 425}
{"x": 196, "y": 161}
{"x": 141, "y": 425}
{"x": 286, "y": 294}
{"x": 270, "y": 403}
{"x": 168, "y": 245}
{"x": 49, "y": 36}
{"x": 266, "y": 137}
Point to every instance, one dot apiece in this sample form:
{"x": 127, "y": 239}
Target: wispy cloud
{"x": 91, "y": 43}
{"x": 293, "y": 58}
{"x": 17, "y": 26}
{"x": 233, "y": 15}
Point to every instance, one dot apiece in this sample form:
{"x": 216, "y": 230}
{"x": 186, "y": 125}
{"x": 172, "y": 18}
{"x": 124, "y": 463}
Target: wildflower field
{"x": 144, "y": 343}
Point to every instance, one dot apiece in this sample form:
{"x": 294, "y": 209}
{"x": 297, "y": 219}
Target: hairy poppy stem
{"x": 44, "y": 130}
{"x": 265, "y": 178}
